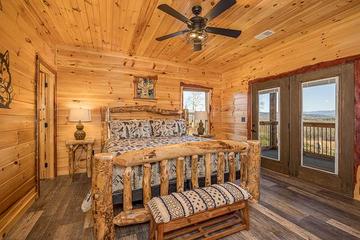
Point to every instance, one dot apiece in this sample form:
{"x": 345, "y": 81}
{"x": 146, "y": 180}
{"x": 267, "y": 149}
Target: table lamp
{"x": 201, "y": 115}
{"x": 80, "y": 115}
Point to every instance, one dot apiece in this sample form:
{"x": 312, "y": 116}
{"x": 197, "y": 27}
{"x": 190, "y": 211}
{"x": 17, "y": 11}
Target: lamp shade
{"x": 201, "y": 115}
{"x": 79, "y": 114}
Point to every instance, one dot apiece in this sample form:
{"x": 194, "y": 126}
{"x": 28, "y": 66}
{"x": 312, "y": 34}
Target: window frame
{"x": 208, "y": 98}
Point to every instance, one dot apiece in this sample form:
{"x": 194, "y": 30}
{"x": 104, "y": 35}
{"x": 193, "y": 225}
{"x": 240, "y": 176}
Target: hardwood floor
{"x": 288, "y": 209}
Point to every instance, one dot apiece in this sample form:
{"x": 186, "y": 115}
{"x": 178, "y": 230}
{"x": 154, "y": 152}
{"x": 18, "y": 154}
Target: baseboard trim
{"x": 15, "y": 212}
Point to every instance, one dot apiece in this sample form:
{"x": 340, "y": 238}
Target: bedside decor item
{"x": 80, "y": 115}
{"x": 6, "y": 90}
{"x": 144, "y": 87}
{"x": 201, "y": 115}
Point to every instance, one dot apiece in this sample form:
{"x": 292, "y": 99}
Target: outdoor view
{"x": 319, "y": 124}
{"x": 269, "y": 123}
{"x": 194, "y": 101}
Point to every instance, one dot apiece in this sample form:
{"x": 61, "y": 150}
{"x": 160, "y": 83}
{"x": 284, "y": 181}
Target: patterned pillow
{"x": 182, "y": 126}
{"x": 118, "y": 129}
{"x": 130, "y": 129}
{"x": 139, "y": 129}
{"x": 165, "y": 128}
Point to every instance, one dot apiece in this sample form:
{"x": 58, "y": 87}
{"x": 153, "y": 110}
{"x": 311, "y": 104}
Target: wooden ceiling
{"x": 131, "y": 26}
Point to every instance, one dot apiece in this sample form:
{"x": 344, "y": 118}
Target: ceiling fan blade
{"x": 169, "y": 10}
{"x": 219, "y": 8}
{"x": 172, "y": 35}
{"x": 223, "y": 31}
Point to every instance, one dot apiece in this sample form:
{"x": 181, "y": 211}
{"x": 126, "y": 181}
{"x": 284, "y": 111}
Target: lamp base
{"x": 201, "y": 128}
{"x": 79, "y": 134}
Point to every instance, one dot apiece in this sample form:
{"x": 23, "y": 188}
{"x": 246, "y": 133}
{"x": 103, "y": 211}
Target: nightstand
{"x": 86, "y": 145}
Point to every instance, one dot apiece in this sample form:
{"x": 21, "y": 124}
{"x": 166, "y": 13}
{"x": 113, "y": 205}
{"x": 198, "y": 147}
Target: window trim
{"x": 208, "y": 99}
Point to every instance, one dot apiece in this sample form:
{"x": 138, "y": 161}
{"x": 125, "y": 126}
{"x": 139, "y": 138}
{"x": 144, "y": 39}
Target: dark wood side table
{"x": 72, "y": 145}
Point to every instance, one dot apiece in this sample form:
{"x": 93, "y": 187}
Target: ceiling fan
{"x": 197, "y": 29}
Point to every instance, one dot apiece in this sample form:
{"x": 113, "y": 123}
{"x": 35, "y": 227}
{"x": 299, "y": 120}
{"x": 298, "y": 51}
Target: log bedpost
{"x": 252, "y": 170}
{"x": 102, "y": 205}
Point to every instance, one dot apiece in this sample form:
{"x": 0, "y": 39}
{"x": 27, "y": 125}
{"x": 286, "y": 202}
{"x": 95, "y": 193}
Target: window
{"x": 196, "y": 101}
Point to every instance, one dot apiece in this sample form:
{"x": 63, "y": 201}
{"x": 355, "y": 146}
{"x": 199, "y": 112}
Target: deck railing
{"x": 318, "y": 141}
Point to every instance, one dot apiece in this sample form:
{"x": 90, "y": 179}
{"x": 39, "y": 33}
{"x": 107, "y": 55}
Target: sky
{"x": 315, "y": 98}
{"x": 194, "y": 100}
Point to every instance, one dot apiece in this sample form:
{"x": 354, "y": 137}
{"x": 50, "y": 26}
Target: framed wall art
{"x": 6, "y": 90}
{"x": 144, "y": 87}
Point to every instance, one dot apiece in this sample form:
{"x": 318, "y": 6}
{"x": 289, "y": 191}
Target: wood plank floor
{"x": 289, "y": 209}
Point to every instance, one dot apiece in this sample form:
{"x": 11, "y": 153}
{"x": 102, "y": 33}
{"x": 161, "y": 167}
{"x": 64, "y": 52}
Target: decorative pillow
{"x": 130, "y": 129}
{"x": 118, "y": 129}
{"x": 139, "y": 129}
{"x": 182, "y": 126}
{"x": 165, "y": 128}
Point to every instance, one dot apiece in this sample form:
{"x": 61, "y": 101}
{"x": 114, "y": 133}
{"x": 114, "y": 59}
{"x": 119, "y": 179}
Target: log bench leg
{"x": 160, "y": 232}
{"x": 152, "y": 228}
{"x": 245, "y": 216}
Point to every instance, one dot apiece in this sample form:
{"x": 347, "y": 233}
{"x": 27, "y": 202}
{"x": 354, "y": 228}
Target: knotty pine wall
{"x": 93, "y": 79}
{"x": 17, "y": 128}
{"x": 337, "y": 40}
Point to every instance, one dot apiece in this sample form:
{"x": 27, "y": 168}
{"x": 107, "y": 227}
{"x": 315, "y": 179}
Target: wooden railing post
{"x": 220, "y": 169}
{"x": 232, "y": 170}
{"x": 146, "y": 183}
{"x": 102, "y": 205}
{"x": 127, "y": 191}
{"x": 208, "y": 169}
{"x": 164, "y": 178}
{"x": 252, "y": 169}
{"x": 194, "y": 171}
{"x": 180, "y": 174}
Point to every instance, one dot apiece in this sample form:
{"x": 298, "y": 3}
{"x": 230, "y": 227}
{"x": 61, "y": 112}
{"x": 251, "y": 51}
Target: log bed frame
{"x": 225, "y": 150}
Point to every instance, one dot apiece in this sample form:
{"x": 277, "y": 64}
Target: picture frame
{"x": 145, "y": 87}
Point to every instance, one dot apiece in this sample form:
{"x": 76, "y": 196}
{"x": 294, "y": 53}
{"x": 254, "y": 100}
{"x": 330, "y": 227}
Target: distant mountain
{"x": 320, "y": 115}
{"x": 330, "y": 113}
{"x": 311, "y": 115}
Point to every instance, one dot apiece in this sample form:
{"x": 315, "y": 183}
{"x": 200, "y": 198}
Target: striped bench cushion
{"x": 178, "y": 205}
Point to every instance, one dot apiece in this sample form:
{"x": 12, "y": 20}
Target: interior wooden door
{"x": 270, "y": 122}
{"x": 46, "y": 123}
{"x": 322, "y": 147}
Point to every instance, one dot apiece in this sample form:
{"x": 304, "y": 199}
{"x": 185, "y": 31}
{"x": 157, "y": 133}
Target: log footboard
{"x": 225, "y": 150}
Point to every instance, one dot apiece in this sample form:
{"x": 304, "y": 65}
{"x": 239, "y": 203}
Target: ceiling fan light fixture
{"x": 196, "y": 35}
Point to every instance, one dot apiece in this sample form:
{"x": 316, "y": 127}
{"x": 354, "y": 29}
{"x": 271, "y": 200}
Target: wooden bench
{"x": 210, "y": 213}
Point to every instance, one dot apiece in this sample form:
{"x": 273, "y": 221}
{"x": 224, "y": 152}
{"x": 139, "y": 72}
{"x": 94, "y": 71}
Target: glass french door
{"x": 322, "y": 127}
{"x": 305, "y": 125}
{"x": 270, "y": 125}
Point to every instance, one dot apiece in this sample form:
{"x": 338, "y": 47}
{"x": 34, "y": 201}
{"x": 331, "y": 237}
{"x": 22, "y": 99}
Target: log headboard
{"x": 140, "y": 112}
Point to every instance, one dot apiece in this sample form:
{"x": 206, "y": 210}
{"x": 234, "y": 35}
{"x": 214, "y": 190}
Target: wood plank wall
{"x": 93, "y": 79}
{"x": 337, "y": 40}
{"x": 17, "y": 129}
